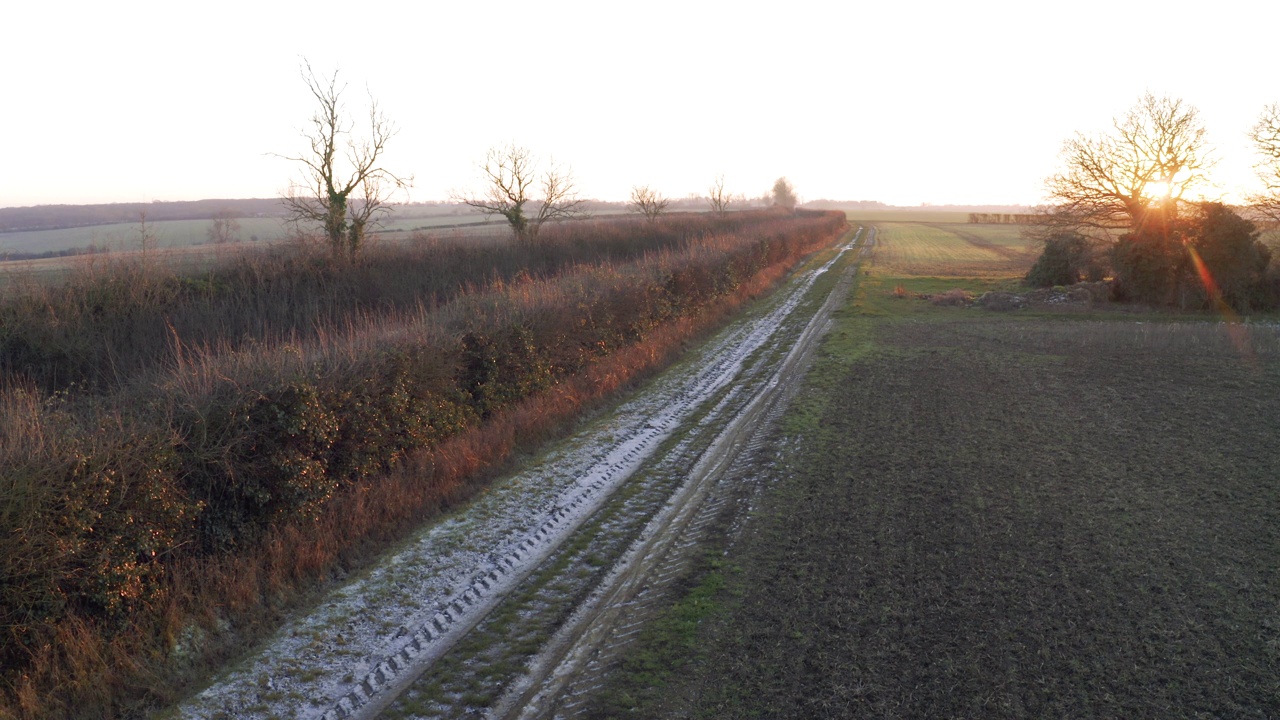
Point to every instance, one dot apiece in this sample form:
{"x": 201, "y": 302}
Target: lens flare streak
{"x": 1236, "y": 330}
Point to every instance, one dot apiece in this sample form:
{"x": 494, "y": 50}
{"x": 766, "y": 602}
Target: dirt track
{"x": 576, "y": 660}
{"x": 517, "y": 603}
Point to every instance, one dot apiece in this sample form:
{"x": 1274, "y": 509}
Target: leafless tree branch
{"x": 223, "y": 228}
{"x": 343, "y": 186}
{"x": 1141, "y": 171}
{"x": 1266, "y": 142}
{"x": 649, "y": 202}
{"x": 720, "y": 199}
{"x": 510, "y": 175}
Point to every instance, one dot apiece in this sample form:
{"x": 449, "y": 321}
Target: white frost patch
{"x": 407, "y": 611}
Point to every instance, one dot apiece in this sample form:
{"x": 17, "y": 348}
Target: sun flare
{"x": 1158, "y": 190}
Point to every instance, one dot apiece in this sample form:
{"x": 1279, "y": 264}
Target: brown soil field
{"x": 975, "y": 514}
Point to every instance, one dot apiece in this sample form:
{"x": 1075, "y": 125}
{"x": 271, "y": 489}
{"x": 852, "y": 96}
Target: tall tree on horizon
{"x": 1138, "y": 174}
{"x": 344, "y": 188}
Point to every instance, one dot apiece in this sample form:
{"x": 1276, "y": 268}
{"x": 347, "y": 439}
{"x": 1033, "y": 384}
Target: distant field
{"x": 912, "y": 215}
{"x": 394, "y": 224}
{"x": 952, "y": 250}
{"x": 398, "y": 224}
{"x": 183, "y": 243}
{"x": 974, "y": 514}
{"x": 124, "y": 236}
{"x": 45, "y": 271}
{"x": 187, "y": 233}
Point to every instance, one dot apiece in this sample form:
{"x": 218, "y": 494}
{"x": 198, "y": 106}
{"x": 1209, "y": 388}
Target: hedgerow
{"x": 196, "y": 497}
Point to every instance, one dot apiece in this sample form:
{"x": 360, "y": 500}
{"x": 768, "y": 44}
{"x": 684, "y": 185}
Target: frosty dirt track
{"x": 367, "y": 644}
{"x": 575, "y": 661}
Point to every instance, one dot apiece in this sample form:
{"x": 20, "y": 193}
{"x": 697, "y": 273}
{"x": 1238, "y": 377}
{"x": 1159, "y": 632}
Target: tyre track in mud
{"x": 1014, "y": 256}
{"x": 662, "y": 482}
{"x": 715, "y": 498}
{"x": 357, "y": 651}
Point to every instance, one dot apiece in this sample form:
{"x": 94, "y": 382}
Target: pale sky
{"x": 902, "y": 102}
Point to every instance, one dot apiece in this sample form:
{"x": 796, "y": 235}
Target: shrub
{"x": 1231, "y": 262}
{"x": 954, "y": 297}
{"x": 1148, "y": 266}
{"x": 90, "y": 521}
{"x": 500, "y": 369}
{"x": 1064, "y": 261}
{"x": 1211, "y": 256}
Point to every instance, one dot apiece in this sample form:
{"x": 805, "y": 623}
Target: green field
{"x": 977, "y": 514}
{"x": 953, "y": 250}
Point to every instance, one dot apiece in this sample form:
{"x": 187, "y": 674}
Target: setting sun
{"x": 1158, "y": 190}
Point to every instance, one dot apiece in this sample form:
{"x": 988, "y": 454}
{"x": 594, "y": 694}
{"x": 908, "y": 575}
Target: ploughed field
{"x": 978, "y": 514}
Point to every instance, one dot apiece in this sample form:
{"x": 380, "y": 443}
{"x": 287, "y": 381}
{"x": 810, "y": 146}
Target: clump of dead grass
{"x": 955, "y": 297}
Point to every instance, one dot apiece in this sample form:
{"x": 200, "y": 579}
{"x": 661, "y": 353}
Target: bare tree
{"x": 510, "y": 175}
{"x": 1266, "y": 140}
{"x": 784, "y": 194}
{"x": 148, "y": 241}
{"x": 344, "y": 187}
{"x": 719, "y": 198}
{"x": 649, "y": 202}
{"x": 560, "y": 200}
{"x": 223, "y": 228}
{"x": 1139, "y": 173}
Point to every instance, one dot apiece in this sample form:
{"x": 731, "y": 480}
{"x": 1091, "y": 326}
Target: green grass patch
{"x": 666, "y": 647}
{"x": 952, "y": 250}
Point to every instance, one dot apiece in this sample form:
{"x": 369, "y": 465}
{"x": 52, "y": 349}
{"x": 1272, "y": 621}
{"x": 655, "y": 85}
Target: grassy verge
{"x": 1005, "y": 515}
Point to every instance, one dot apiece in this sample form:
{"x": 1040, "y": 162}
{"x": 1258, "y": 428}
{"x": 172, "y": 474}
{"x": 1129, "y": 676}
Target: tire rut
{"x": 576, "y": 664}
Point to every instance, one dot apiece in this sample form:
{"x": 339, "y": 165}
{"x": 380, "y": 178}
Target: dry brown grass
{"x": 955, "y": 297}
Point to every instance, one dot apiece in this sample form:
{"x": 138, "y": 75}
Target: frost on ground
{"x": 375, "y": 634}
